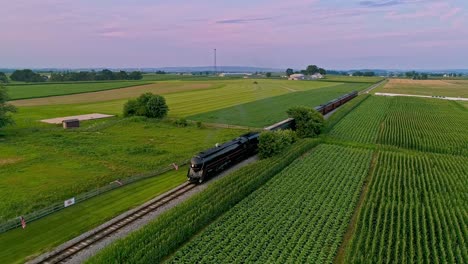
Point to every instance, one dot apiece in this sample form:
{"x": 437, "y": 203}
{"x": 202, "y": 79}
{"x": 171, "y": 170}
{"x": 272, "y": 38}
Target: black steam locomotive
{"x": 214, "y": 160}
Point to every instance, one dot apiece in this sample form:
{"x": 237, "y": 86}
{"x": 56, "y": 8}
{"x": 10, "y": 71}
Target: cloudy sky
{"x": 338, "y": 34}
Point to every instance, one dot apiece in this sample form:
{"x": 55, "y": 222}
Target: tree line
{"x": 104, "y": 75}
{"x": 310, "y": 70}
{"x": 28, "y": 75}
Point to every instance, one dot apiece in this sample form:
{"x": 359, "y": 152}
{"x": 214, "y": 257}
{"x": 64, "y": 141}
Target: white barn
{"x": 297, "y": 76}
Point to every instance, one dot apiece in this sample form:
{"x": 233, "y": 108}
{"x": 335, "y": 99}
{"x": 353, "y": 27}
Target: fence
{"x": 16, "y": 222}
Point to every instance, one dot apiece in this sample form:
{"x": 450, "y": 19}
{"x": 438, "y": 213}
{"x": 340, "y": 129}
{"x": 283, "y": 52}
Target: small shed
{"x": 71, "y": 123}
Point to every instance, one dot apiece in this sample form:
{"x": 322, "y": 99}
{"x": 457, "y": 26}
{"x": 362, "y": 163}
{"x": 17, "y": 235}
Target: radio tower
{"x": 215, "y": 68}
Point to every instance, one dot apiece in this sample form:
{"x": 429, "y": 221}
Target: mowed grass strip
{"x": 51, "y": 89}
{"x": 45, "y": 164}
{"x": 18, "y": 245}
{"x": 273, "y": 109}
{"x": 448, "y": 88}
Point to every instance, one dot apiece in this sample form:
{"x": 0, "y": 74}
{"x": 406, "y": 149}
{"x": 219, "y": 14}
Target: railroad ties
{"x": 67, "y": 253}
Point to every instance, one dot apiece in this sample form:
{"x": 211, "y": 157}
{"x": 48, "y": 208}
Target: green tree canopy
{"x": 289, "y": 71}
{"x": 3, "y": 78}
{"x": 309, "y": 122}
{"x": 5, "y": 108}
{"x": 26, "y": 75}
{"x": 148, "y": 104}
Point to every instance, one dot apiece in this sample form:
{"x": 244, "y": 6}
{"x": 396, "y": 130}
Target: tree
{"x": 312, "y": 69}
{"x": 148, "y": 104}
{"x": 309, "y": 122}
{"x": 268, "y": 74}
{"x": 289, "y": 72}
{"x": 5, "y": 109}
{"x": 26, "y": 75}
{"x": 3, "y": 78}
{"x": 322, "y": 71}
{"x": 135, "y": 75}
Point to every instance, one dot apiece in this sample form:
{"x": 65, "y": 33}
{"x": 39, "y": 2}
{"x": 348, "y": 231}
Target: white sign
{"x": 69, "y": 202}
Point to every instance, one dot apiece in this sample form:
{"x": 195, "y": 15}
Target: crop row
{"x": 430, "y": 125}
{"x": 299, "y": 216}
{"x": 169, "y": 231}
{"x": 415, "y": 211}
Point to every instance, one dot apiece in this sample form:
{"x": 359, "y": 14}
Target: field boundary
{"x": 55, "y": 207}
{"x": 99, "y": 90}
{"x": 341, "y": 253}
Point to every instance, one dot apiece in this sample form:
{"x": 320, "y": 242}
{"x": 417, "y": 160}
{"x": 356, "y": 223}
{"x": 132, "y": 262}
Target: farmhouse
{"x": 297, "y": 76}
{"x": 316, "y": 76}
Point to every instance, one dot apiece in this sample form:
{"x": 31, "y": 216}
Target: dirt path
{"x": 339, "y": 258}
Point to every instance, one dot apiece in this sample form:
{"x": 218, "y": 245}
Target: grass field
{"x": 449, "y": 88}
{"x": 431, "y": 125}
{"x": 40, "y": 164}
{"x": 42, "y": 235}
{"x": 299, "y": 216}
{"x": 415, "y": 211}
{"x": 273, "y": 109}
{"x": 351, "y": 79}
{"x": 122, "y": 93}
{"x": 45, "y": 90}
{"x": 183, "y": 98}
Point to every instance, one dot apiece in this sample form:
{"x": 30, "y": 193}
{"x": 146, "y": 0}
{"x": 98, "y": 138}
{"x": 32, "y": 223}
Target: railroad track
{"x": 61, "y": 256}
{"x": 372, "y": 87}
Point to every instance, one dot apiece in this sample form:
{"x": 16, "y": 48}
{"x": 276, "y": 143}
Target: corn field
{"x": 299, "y": 216}
{"x": 415, "y": 211}
{"x": 430, "y": 125}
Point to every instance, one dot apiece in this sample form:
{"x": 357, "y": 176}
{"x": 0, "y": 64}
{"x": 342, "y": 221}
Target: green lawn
{"x": 41, "y": 164}
{"x": 45, "y": 234}
{"x": 273, "y": 109}
{"x": 51, "y": 89}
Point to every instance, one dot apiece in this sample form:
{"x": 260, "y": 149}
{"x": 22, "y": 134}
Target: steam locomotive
{"x": 214, "y": 160}
{"x": 211, "y": 161}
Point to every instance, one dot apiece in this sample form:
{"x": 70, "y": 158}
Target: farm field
{"x": 298, "y": 216}
{"x": 16, "y": 246}
{"x": 121, "y": 93}
{"x": 448, "y": 88}
{"x": 415, "y": 211}
{"x": 273, "y": 109}
{"x": 41, "y": 164}
{"x": 183, "y": 99}
{"x": 358, "y": 79}
{"x": 245, "y": 89}
{"x": 25, "y": 91}
{"x": 431, "y": 125}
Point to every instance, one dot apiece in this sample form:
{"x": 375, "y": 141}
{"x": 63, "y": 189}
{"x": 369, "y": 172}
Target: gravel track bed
{"x": 90, "y": 251}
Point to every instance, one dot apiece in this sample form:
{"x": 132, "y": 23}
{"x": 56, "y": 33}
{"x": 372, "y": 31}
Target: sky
{"x": 334, "y": 34}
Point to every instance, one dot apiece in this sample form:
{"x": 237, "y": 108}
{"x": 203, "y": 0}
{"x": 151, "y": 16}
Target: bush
{"x": 5, "y": 109}
{"x": 148, "y": 104}
{"x": 181, "y": 122}
{"x": 272, "y": 143}
{"x": 309, "y": 122}
{"x": 199, "y": 124}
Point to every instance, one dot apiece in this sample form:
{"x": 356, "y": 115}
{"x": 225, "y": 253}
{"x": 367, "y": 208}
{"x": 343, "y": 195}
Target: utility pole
{"x": 215, "y": 67}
